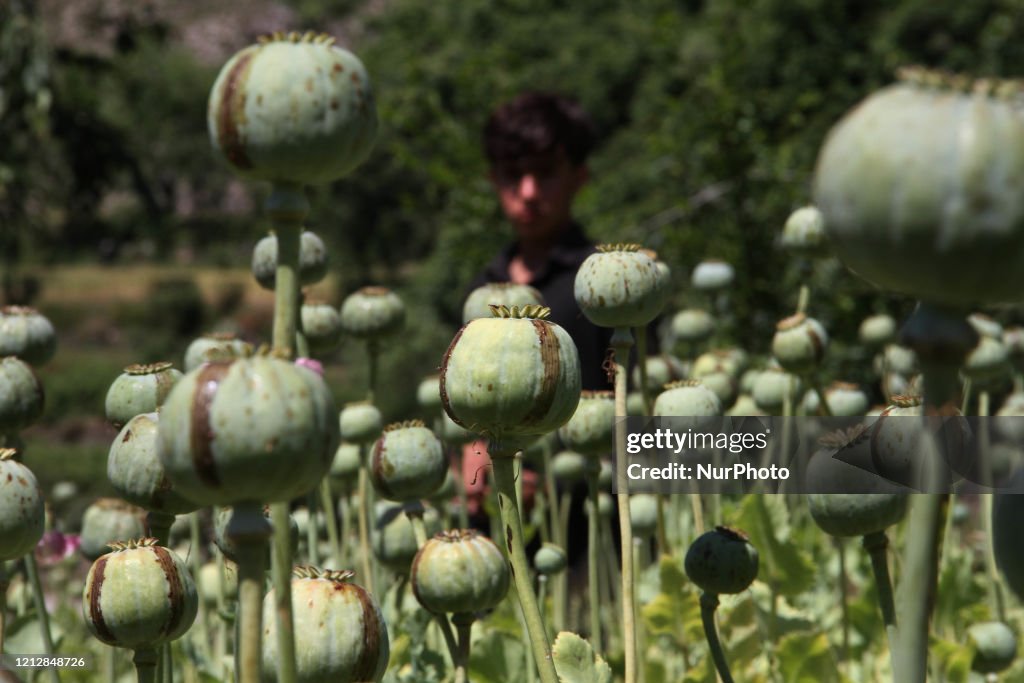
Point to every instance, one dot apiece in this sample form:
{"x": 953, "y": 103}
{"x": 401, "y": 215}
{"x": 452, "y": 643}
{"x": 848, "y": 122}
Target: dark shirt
{"x": 555, "y": 280}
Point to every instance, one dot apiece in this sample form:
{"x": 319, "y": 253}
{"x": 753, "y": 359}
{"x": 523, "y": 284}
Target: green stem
{"x": 464, "y": 626}
{"x": 460, "y": 488}
{"x": 195, "y": 564}
{"x": 166, "y": 663}
{"x": 594, "y": 554}
{"x": 159, "y": 526}
{"x": 249, "y": 530}
{"x": 641, "y": 359}
{"x": 312, "y": 528}
{"x": 32, "y": 569}
{"x": 560, "y": 587}
{"x": 414, "y": 512}
{"x": 552, "y": 498}
{"x": 803, "y": 298}
{"x": 281, "y": 566}
{"x": 621, "y": 342}
{"x": 327, "y": 507}
{"x": 4, "y": 585}
{"x": 145, "y": 665}
{"x": 110, "y": 663}
{"x": 844, "y": 597}
{"x": 373, "y": 351}
{"x": 877, "y": 545}
{"x": 542, "y": 596}
{"x": 504, "y": 475}
{"x": 708, "y": 605}
{"x": 364, "y": 523}
{"x": 639, "y": 546}
{"x": 823, "y": 407}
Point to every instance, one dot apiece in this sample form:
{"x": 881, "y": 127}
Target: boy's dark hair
{"x": 537, "y": 123}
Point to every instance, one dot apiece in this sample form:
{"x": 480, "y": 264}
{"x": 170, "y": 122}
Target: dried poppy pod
{"x": 509, "y": 294}
{"x": 139, "y": 596}
{"x": 512, "y": 376}
{"x": 313, "y": 260}
{"x": 344, "y": 637}
{"x": 21, "y": 395}
{"x": 459, "y": 572}
{"x": 920, "y": 188}
{"x": 252, "y": 429}
{"x": 22, "y": 511}
{"x": 799, "y": 343}
{"x": 215, "y": 346}
{"x": 27, "y": 334}
{"x": 107, "y": 520}
{"x": 620, "y": 286}
{"x": 141, "y": 388}
{"x": 372, "y": 313}
{"x": 135, "y": 471}
{"x": 293, "y": 109}
{"x": 407, "y": 462}
{"x": 591, "y": 428}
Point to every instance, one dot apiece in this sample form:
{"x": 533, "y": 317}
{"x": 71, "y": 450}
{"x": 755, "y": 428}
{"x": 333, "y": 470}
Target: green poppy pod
{"x": 661, "y": 370}
{"x": 215, "y": 346}
{"x": 251, "y": 429}
{"x": 643, "y": 514}
{"x": 459, "y": 572}
{"x": 550, "y": 559}
{"x": 313, "y": 260}
{"x": 745, "y": 406}
{"x": 392, "y": 535}
{"x": 21, "y": 395}
{"x": 804, "y": 232}
{"x": 141, "y": 388}
{"x": 211, "y": 584}
{"x": 772, "y": 387}
{"x": 688, "y": 398}
{"x": 344, "y": 470}
{"x": 876, "y": 331}
{"x": 506, "y": 294}
{"x": 344, "y": 636}
{"x": 569, "y": 467}
{"x": 135, "y": 471}
{"x": 293, "y": 109}
{"x": 428, "y": 394}
{"x": 321, "y": 325}
{"x": 722, "y": 561}
{"x": 712, "y": 275}
{"x": 591, "y": 428}
{"x": 898, "y": 359}
{"x": 728, "y": 361}
{"x": 896, "y": 438}
{"x": 22, "y": 510}
{"x": 27, "y": 334}
{"x": 454, "y": 434}
{"x": 920, "y": 184}
{"x": 844, "y": 400}
{"x": 360, "y": 422}
{"x": 372, "y": 313}
{"x": 692, "y": 325}
{"x": 407, "y": 462}
{"x": 221, "y": 539}
{"x": 139, "y": 596}
{"x": 799, "y": 343}
{"x": 620, "y": 286}
{"x": 107, "y": 520}
{"x": 995, "y": 646}
{"x": 513, "y": 376}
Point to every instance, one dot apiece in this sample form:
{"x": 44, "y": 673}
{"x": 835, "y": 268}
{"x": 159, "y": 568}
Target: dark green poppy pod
{"x": 27, "y": 334}
{"x": 692, "y": 325}
{"x": 876, "y": 331}
{"x": 661, "y": 369}
{"x": 799, "y": 343}
{"x": 569, "y": 467}
{"x": 251, "y": 429}
{"x": 620, "y": 286}
{"x": 360, "y": 422}
{"x": 21, "y": 395}
{"x": 921, "y": 181}
{"x": 550, "y": 560}
{"x": 712, "y": 275}
{"x": 135, "y": 471}
{"x": 407, "y": 462}
{"x": 995, "y": 646}
{"x": 372, "y": 313}
{"x": 896, "y": 438}
{"x": 22, "y": 510}
{"x": 107, "y": 520}
{"x": 507, "y": 294}
{"x": 722, "y": 561}
{"x": 846, "y": 500}
{"x": 643, "y": 514}
{"x": 844, "y": 400}
{"x": 344, "y": 470}
{"x": 313, "y": 260}
{"x": 141, "y": 388}
{"x": 221, "y": 518}
{"x": 215, "y": 346}
{"x": 512, "y": 376}
{"x": 321, "y": 325}
{"x": 804, "y": 232}
{"x": 772, "y": 387}
{"x": 688, "y": 398}
{"x": 428, "y": 394}
{"x": 293, "y": 109}
{"x": 392, "y": 536}
{"x": 344, "y": 635}
{"x": 459, "y": 572}
{"x": 591, "y": 428}
{"x": 139, "y": 596}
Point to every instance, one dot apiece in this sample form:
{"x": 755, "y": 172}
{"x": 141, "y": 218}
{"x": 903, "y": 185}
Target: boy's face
{"x": 537, "y": 192}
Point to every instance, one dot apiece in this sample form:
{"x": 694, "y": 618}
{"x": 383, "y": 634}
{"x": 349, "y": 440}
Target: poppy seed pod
{"x": 293, "y": 109}
{"x": 692, "y": 325}
{"x": 215, "y": 346}
{"x": 139, "y": 596}
{"x": 844, "y": 400}
{"x": 135, "y": 471}
{"x": 722, "y": 561}
{"x": 643, "y": 514}
{"x": 228, "y": 548}
{"x": 345, "y": 467}
{"x": 459, "y": 572}
{"x": 712, "y": 275}
{"x": 360, "y": 422}
{"x": 620, "y": 286}
{"x": 313, "y": 260}
{"x": 799, "y": 343}
{"x": 772, "y": 387}
{"x": 22, "y": 511}
{"x": 507, "y": 294}
{"x": 550, "y": 559}
{"x": 568, "y": 467}
{"x": 995, "y": 646}
{"x": 321, "y": 325}
{"x": 590, "y": 429}
{"x": 108, "y": 520}
{"x": 141, "y": 388}
{"x": 661, "y": 370}
{"x": 21, "y": 395}
{"x": 804, "y": 232}
{"x": 252, "y": 429}
{"x": 876, "y": 331}
{"x": 515, "y": 375}
{"x": 372, "y": 313}
{"x": 407, "y": 462}
{"x": 393, "y": 537}
{"x": 428, "y": 394}
{"x": 27, "y": 334}
{"x": 920, "y": 188}
{"x": 688, "y": 398}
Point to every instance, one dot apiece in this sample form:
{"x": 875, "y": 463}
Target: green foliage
{"x": 576, "y": 661}
{"x": 784, "y": 565}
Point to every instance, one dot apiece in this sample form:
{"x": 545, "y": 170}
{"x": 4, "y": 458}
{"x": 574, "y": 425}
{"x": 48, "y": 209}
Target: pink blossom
{"x": 55, "y": 546}
{"x": 314, "y": 365}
